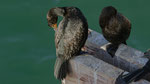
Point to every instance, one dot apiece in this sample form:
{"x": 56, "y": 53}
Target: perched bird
{"x": 115, "y": 28}
{"x": 147, "y": 54}
{"x": 70, "y": 36}
{"x": 134, "y": 76}
{"x": 137, "y": 74}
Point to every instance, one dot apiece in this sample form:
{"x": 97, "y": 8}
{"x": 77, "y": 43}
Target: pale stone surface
{"x": 86, "y": 69}
{"x": 90, "y": 70}
{"x": 96, "y": 39}
{"x": 132, "y": 56}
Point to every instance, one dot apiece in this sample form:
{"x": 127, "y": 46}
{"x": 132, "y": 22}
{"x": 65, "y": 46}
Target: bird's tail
{"x": 133, "y": 75}
{"x": 128, "y": 78}
{"x": 145, "y": 70}
{"x": 61, "y": 68}
{"x": 125, "y": 42}
{"x": 143, "y": 73}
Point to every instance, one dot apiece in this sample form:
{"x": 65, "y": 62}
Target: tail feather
{"x": 132, "y": 75}
{"x": 145, "y": 70}
{"x": 125, "y": 42}
{"x": 140, "y": 76}
{"x": 61, "y": 68}
{"x": 128, "y": 78}
{"x": 135, "y": 75}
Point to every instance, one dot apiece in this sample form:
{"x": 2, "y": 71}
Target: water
{"x": 27, "y": 52}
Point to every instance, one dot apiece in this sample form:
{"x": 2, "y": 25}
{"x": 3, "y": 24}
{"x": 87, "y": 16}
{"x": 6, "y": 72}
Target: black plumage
{"x": 115, "y": 28}
{"x": 70, "y": 36}
{"x": 137, "y": 74}
{"x": 134, "y": 76}
{"x": 147, "y": 54}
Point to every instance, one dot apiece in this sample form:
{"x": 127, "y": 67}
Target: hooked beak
{"x": 54, "y": 26}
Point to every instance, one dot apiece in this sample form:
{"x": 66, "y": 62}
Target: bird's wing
{"x": 126, "y": 26}
{"x": 75, "y": 42}
{"x": 72, "y": 41}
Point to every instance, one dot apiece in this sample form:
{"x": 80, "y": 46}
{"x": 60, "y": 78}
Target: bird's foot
{"x": 111, "y": 49}
{"x": 84, "y": 49}
{"x": 83, "y": 52}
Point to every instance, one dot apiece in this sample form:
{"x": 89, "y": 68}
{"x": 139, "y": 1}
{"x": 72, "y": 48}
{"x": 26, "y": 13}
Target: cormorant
{"x": 134, "y": 76}
{"x": 115, "y": 28}
{"x": 147, "y": 54}
{"x": 70, "y": 36}
{"x": 137, "y": 74}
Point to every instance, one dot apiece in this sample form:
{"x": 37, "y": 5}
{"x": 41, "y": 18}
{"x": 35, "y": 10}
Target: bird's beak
{"x": 54, "y": 26}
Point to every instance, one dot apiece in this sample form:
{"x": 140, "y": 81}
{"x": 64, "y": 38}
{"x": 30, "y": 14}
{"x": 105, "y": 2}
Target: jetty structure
{"x": 98, "y": 67}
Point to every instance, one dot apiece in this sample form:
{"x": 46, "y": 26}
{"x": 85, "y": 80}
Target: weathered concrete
{"x": 86, "y": 69}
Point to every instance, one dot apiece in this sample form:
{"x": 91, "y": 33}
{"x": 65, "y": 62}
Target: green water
{"x": 27, "y": 52}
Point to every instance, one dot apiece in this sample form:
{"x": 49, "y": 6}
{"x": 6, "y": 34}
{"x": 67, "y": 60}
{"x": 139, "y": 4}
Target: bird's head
{"x": 52, "y": 16}
{"x": 109, "y": 11}
{"x": 52, "y": 19}
{"x": 106, "y": 14}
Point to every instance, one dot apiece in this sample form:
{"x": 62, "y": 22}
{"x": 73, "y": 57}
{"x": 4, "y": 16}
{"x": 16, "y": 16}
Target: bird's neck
{"x": 59, "y": 11}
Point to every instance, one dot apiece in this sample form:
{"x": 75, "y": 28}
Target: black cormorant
{"x": 135, "y": 75}
{"x": 115, "y": 28}
{"x": 70, "y": 36}
{"x": 147, "y": 54}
